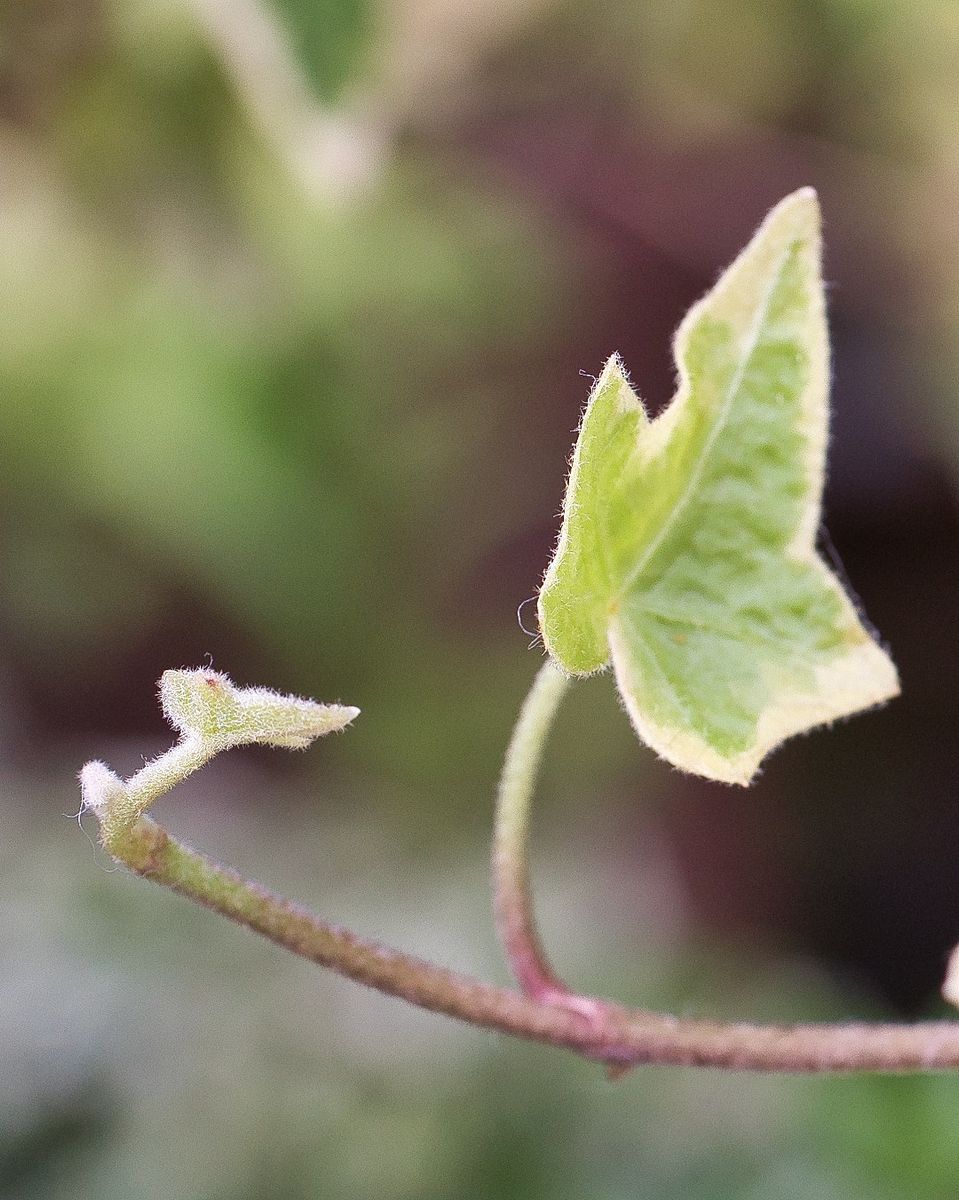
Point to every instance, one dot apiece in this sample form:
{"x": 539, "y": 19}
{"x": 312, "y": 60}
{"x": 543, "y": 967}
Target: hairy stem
{"x": 512, "y": 895}
{"x": 156, "y": 778}
{"x": 212, "y": 714}
{"x": 611, "y": 1035}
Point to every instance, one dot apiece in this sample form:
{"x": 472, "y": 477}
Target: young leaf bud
{"x": 208, "y": 706}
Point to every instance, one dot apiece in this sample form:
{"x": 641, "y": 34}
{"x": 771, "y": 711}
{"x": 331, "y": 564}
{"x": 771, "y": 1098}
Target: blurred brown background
{"x": 297, "y": 298}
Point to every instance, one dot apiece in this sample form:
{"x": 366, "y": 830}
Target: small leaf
{"x": 208, "y": 706}
{"x": 687, "y": 552}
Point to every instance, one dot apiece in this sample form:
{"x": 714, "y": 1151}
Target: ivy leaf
{"x": 687, "y": 551}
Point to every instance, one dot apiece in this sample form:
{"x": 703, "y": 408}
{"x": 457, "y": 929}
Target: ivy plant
{"x": 687, "y": 561}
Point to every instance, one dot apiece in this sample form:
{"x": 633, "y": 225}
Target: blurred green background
{"x": 296, "y": 300}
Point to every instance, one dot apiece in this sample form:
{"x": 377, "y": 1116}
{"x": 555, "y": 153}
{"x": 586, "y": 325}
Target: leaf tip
{"x": 613, "y": 367}
{"x": 615, "y": 376}
{"x": 804, "y": 195}
{"x": 275, "y": 719}
{"x": 800, "y": 210}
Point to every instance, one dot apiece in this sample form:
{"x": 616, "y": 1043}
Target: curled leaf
{"x": 687, "y": 552}
{"x": 207, "y": 705}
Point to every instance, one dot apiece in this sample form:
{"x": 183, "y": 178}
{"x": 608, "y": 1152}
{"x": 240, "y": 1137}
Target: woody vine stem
{"x": 212, "y": 714}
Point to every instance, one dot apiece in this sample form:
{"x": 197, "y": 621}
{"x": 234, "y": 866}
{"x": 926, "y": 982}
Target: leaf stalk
{"x": 613, "y": 1036}
{"x": 512, "y": 891}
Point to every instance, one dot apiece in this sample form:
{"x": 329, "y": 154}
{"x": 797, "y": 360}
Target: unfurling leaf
{"x": 208, "y": 706}
{"x": 687, "y": 552}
